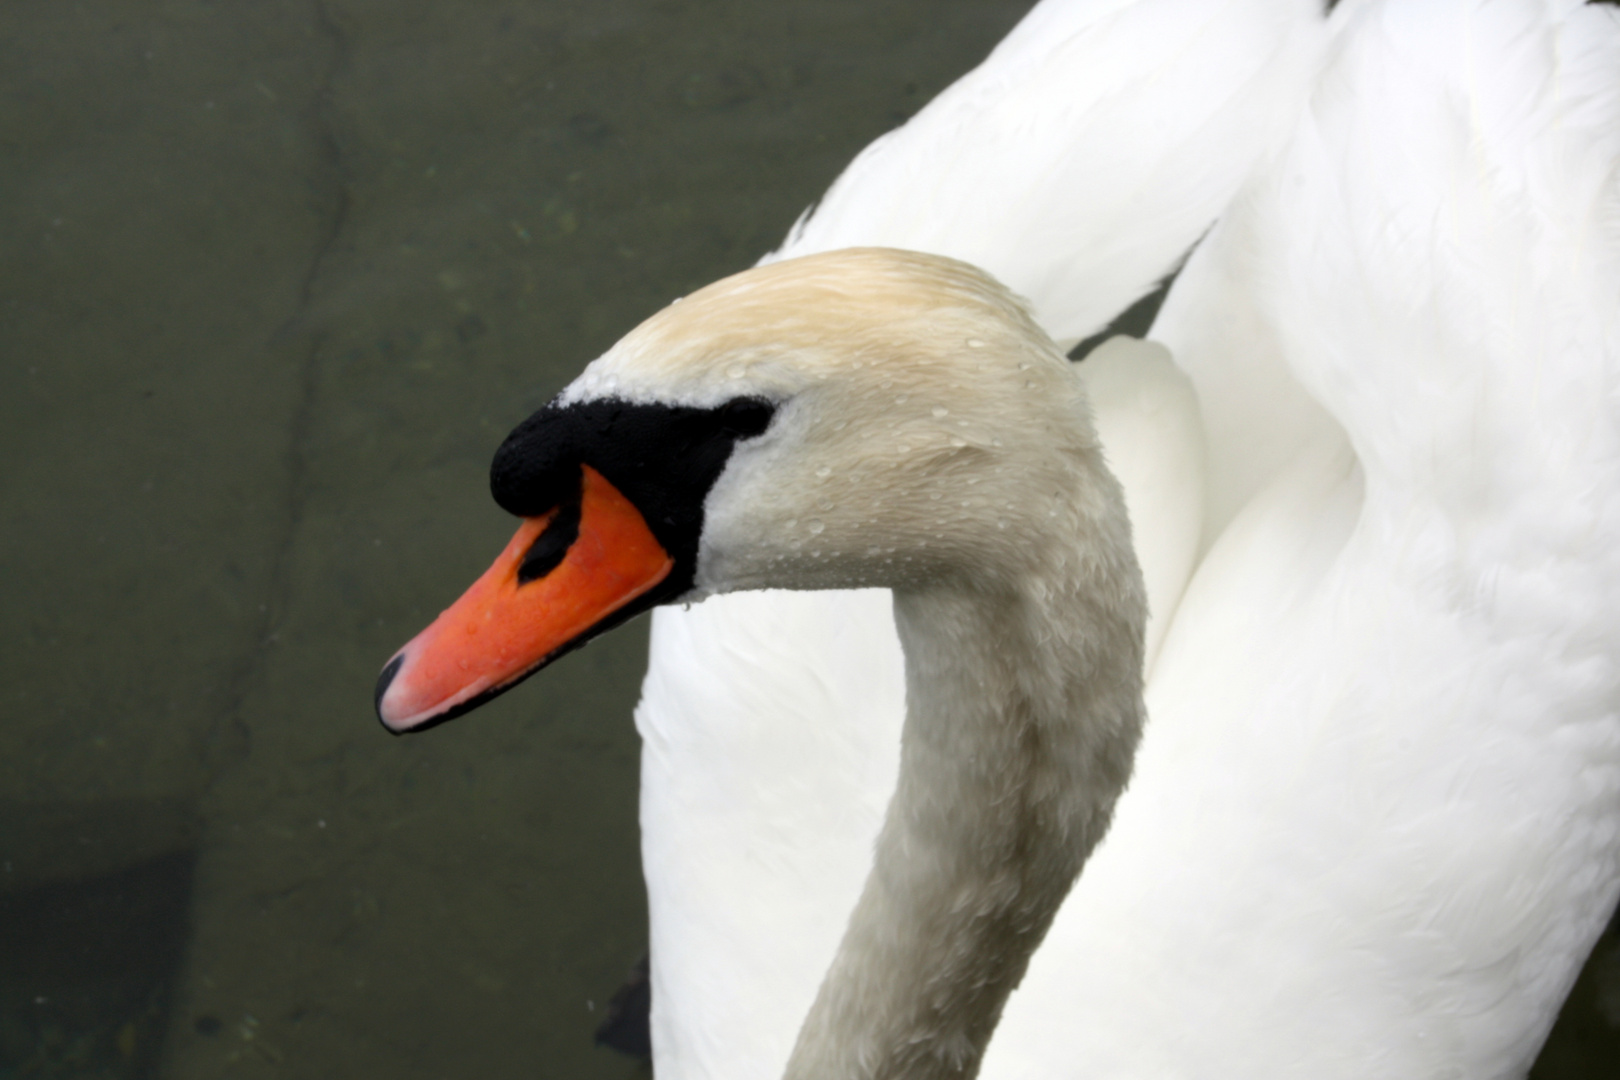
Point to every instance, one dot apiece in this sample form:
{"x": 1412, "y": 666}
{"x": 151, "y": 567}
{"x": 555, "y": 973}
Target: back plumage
{"x": 1373, "y": 829}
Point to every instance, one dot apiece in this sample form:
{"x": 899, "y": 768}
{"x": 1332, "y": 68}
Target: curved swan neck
{"x": 1024, "y": 709}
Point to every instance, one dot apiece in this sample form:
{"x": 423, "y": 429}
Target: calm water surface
{"x": 278, "y": 275}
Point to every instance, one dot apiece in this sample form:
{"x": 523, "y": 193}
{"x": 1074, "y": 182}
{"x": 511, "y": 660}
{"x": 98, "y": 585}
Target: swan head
{"x": 860, "y": 418}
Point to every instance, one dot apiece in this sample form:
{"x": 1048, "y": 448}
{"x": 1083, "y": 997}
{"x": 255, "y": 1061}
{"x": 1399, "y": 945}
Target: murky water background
{"x": 276, "y": 276}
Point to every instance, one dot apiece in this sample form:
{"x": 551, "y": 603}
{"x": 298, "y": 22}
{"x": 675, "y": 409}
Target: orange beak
{"x": 505, "y": 628}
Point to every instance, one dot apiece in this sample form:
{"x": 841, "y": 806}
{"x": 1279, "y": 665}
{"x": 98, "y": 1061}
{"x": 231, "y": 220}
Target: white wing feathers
{"x": 1087, "y": 154}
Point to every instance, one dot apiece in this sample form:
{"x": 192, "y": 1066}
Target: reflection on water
{"x": 279, "y": 276}
{"x": 87, "y": 964}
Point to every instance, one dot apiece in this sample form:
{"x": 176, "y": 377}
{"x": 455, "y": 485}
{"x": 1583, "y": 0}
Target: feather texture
{"x": 1375, "y": 823}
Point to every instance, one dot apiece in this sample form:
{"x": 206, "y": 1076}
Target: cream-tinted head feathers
{"x": 926, "y": 425}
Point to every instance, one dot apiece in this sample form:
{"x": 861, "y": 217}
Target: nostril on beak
{"x": 551, "y": 546}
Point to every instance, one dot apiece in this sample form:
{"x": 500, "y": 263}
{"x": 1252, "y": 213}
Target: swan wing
{"x": 1375, "y": 822}
{"x": 1083, "y": 159}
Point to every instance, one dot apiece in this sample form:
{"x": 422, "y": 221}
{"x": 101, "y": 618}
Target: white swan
{"x": 1374, "y": 823}
{"x": 1336, "y": 859}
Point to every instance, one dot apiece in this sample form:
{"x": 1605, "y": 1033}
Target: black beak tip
{"x": 385, "y": 680}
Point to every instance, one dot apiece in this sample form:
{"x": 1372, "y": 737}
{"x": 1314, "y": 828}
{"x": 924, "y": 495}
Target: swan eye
{"x": 746, "y": 417}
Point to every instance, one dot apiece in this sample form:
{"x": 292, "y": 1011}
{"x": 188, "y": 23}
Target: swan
{"x": 1373, "y": 824}
{"x": 1372, "y": 827}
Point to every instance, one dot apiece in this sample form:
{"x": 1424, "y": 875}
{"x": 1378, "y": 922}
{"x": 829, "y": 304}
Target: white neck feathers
{"x": 1024, "y": 709}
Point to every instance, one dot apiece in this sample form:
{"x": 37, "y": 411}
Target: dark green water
{"x": 277, "y": 276}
